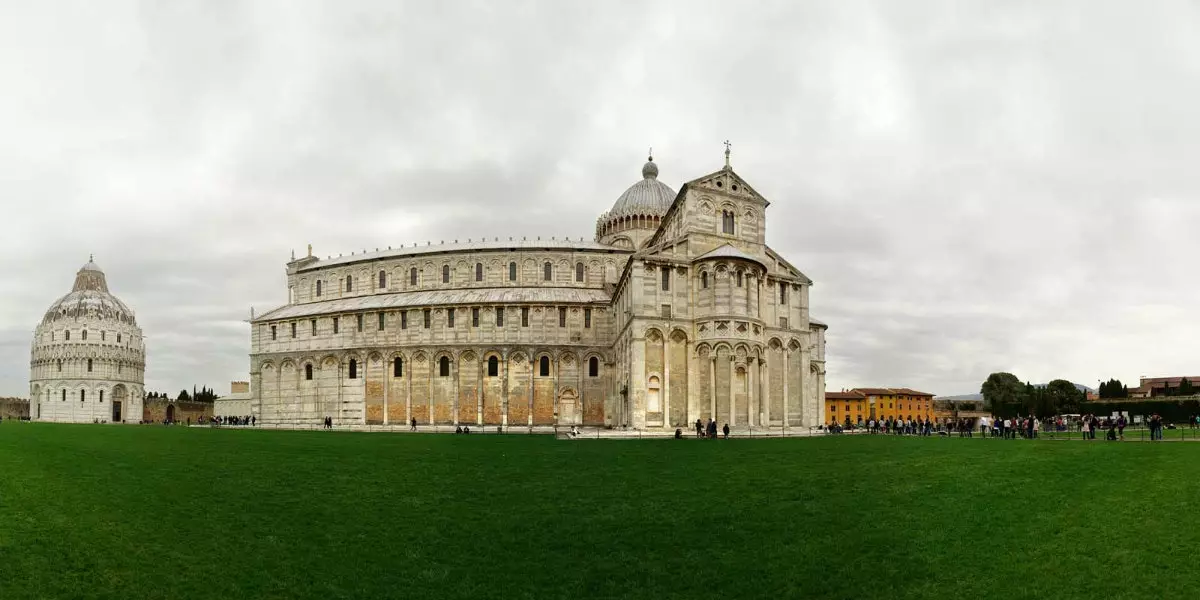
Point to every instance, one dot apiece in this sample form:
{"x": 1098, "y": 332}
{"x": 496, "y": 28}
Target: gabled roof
{"x": 726, "y": 174}
{"x": 818, "y": 323}
{"x": 728, "y": 251}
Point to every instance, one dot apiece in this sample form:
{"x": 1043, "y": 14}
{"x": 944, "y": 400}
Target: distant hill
{"x": 979, "y": 397}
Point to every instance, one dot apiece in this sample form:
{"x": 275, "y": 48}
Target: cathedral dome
{"x": 648, "y": 196}
{"x": 89, "y": 298}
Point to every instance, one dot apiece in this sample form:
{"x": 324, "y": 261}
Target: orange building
{"x": 877, "y": 403}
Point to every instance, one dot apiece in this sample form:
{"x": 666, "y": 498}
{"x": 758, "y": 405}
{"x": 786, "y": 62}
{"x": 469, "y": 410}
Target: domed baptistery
{"x": 677, "y": 311}
{"x": 88, "y": 362}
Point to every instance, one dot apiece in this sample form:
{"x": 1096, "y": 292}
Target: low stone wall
{"x": 157, "y": 410}
{"x": 14, "y": 408}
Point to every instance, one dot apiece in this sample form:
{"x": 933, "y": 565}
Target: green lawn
{"x": 152, "y": 512}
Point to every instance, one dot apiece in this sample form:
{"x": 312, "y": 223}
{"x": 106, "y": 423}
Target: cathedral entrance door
{"x": 170, "y": 412}
{"x": 116, "y": 416}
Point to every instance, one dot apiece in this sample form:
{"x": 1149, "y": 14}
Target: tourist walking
{"x": 725, "y": 430}
{"x": 699, "y": 429}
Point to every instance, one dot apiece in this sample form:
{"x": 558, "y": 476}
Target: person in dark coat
{"x": 725, "y": 430}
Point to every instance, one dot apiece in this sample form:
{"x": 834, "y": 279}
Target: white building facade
{"x": 677, "y": 311}
{"x": 88, "y": 360}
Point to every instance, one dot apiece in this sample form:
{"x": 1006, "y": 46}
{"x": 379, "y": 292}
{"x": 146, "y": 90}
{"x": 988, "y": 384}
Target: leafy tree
{"x": 1003, "y": 392}
{"x": 1063, "y": 397}
{"x": 183, "y": 396}
{"x": 1186, "y": 388}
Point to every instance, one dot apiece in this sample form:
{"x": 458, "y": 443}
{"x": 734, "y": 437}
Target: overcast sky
{"x": 972, "y": 187}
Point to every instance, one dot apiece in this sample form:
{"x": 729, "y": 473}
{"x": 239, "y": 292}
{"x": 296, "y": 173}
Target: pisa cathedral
{"x": 88, "y": 361}
{"x": 677, "y": 311}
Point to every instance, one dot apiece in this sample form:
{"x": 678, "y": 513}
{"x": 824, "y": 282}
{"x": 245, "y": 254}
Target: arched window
{"x": 64, "y": 395}
{"x": 579, "y": 271}
{"x": 493, "y": 366}
{"x": 727, "y": 222}
{"x": 308, "y": 372}
{"x": 101, "y": 396}
{"x": 382, "y": 279}
{"x": 397, "y": 367}
{"x": 445, "y": 273}
{"x": 547, "y": 271}
{"x": 544, "y": 366}
{"x": 68, "y": 335}
{"x": 318, "y": 287}
{"x": 353, "y": 369}
{"x": 478, "y": 271}
{"x": 412, "y": 276}
{"x": 82, "y": 395}
{"x": 85, "y": 335}
{"x": 512, "y": 271}
{"x": 60, "y": 365}
{"x": 593, "y": 367}
{"x": 89, "y": 365}
{"x": 444, "y": 366}
{"x": 704, "y": 279}
{"x": 739, "y": 278}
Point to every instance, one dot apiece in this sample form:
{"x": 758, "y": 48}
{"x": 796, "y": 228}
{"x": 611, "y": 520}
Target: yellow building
{"x": 878, "y": 403}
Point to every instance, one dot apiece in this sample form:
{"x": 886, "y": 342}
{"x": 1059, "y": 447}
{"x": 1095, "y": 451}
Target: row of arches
{"x": 473, "y": 386}
{"x": 732, "y": 382}
{"x": 422, "y": 276}
{"x": 613, "y": 225}
{"x": 84, "y": 403}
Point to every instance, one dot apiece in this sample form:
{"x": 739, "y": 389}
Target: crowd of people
{"x": 706, "y": 430}
{"x": 227, "y": 420}
{"x": 1026, "y": 427}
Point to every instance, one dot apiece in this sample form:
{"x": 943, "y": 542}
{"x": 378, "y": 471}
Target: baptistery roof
{"x": 89, "y": 298}
{"x": 648, "y": 196}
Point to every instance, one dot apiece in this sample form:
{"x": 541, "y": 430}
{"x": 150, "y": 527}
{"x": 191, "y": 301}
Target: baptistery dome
{"x": 87, "y": 361}
{"x": 637, "y": 212}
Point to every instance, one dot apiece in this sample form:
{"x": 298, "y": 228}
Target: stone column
{"x": 529, "y": 415}
{"x": 555, "y": 365}
{"x": 712, "y": 387}
{"x": 666, "y": 384}
{"x": 429, "y": 399}
{"x": 387, "y": 385}
{"x": 764, "y": 391}
{"x": 751, "y": 392}
{"x": 454, "y": 388}
{"x": 479, "y": 391}
{"x": 693, "y": 403}
{"x": 732, "y": 395}
{"x": 408, "y": 415}
{"x": 787, "y": 356}
{"x": 504, "y": 393}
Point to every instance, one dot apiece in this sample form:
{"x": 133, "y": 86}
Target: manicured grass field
{"x": 154, "y": 512}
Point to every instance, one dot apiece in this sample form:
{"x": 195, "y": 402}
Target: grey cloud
{"x": 972, "y": 186}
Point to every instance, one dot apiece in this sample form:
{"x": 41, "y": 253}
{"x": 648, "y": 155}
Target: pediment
{"x": 728, "y": 183}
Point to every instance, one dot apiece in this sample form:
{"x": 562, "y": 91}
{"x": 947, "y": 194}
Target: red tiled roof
{"x": 850, "y": 395}
{"x": 875, "y": 391}
{"x": 891, "y": 392}
{"x": 1168, "y": 381}
{"x": 912, "y": 392}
